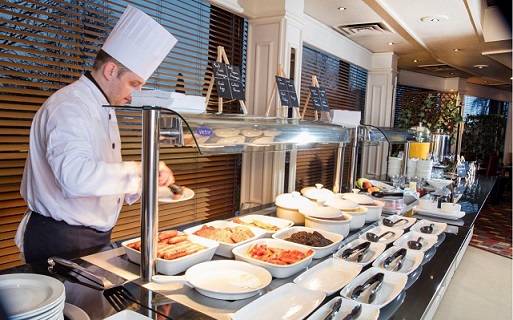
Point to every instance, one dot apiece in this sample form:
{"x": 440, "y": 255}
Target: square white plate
{"x": 402, "y": 224}
{"x": 393, "y": 284}
{"x": 328, "y": 276}
{"x": 369, "y": 312}
{"x": 439, "y": 213}
{"x": 438, "y": 227}
{"x": 289, "y": 301}
{"x": 320, "y": 252}
{"x": 375, "y": 250}
{"x": 225, "y": 249}
{"x": 427, "y": 241}
{"x": 379, "y": 230}
{"x": 279, "y": 223}
{"x": 411, "y": 262}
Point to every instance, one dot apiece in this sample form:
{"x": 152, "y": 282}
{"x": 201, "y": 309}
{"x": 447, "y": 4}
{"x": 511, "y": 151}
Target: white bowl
{"x": 288, "y": 204}
{"x": 226, "y": 132}
{"x": 439, "y": 183}
{"x": 320, "y": 211}
{"x": 359, "y": 198}
{"x": 335, "y": 225}
{"x": 260, "y": 221}
{"x": 358, "y": 215}
{"x": 341, "y": 204}
{"x": 225, "y": 249}
{"x": 276, "y": 270}
{"x": 175, "y": 266}
{"x": 317, "y": 193}
{"x": 320, "y": 252}
{"x": 374, "y": 211}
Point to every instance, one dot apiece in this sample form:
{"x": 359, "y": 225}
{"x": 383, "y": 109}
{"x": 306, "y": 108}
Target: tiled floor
{"x": 480, "y": 289}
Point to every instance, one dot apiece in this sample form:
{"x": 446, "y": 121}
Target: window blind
{"x": 48, "y": 44}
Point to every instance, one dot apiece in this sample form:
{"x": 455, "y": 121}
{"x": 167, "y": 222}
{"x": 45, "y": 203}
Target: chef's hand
{"x": 166, "y": 176}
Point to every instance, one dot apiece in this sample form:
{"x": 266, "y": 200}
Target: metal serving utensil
{"x": 395, "y": 261}
{"x": 357, "y": 253}
{"x": 373, "y": 282}
{"x": 335, "y": 308}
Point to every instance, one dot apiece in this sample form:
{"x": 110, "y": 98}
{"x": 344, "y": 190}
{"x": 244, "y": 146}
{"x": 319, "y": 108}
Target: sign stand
{"x": 285, "y": 88}
{"x": 222, "y": 58}
{"x": 320, "y": 103}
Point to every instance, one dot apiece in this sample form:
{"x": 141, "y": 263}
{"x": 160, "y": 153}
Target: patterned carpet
{"x": 492, "y": 230}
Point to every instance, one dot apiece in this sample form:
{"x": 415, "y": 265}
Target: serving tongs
{"x": 95, "y": 278}
{"x": 395, "y": 261}
{"x": 335, "y": 308}
{"x": 356, "y": 253}
{"x": 375, "y": 282}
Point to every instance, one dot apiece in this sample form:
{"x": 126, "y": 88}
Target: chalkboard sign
{"x": 287, "y": 92}
{"x": 228, "y": 81}
{"x": 319, "y": 98}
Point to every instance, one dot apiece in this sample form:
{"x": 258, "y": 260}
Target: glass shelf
{"x": 371, "y": 135}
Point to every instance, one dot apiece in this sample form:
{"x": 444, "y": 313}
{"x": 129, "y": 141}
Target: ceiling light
{"x": 456, "y": 50}
{"x": 480, "y": 66}
{"x": 390, "y": 43}
{"x": 434, "y": 19}
{"x": 415, "y": 60}
{"x": 342, "y": 8}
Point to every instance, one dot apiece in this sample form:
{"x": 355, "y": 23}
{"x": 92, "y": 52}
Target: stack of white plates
{"x": 32, "y": 296}
{"x": 424, "y": 169}
{"x": 411, "y": 168}
{"x": 394, "y": 166}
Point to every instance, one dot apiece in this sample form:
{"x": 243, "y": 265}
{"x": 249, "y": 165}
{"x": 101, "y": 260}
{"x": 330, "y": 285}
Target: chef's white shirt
{"x": 73, "y": 170}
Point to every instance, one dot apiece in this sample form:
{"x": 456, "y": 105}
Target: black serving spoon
{"x": 375, "y": 238}
{"x": 389, "y": 223}
{"x": 427, "y": 229}
{"x": 415, "y": 245}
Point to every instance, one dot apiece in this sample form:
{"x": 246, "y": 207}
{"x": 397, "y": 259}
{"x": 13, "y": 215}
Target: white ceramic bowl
{"x": 317, "y": 193}
{"x": 374, "y": 211}
{"x": 277, "y": 271}
{"x": 439, "y": 183}
{"x": 358, "y": 215}
{"x": 320, "y": 252}
{"x": 288, "y": 204}
{"x": 172, "y": 267}
{"x": 335, "y": 225}
{"x": 226, "y": 132}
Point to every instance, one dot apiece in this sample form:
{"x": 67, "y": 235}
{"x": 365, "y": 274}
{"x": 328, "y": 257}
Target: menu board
{"x": 228, "y": 81}
{"x": 319, "y": 98}
{"x": 287, "y": 92}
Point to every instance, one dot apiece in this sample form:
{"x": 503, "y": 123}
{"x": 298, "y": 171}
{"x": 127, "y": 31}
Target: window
{"x": 47, "y": 44}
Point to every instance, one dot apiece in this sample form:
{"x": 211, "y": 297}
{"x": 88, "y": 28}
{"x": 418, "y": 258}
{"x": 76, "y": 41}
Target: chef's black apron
{"x": 45, "y": 237}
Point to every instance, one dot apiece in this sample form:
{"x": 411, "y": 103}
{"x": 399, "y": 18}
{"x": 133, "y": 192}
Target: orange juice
{"x": 419, "y": 150}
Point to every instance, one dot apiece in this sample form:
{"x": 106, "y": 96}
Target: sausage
{"x": 167, "y": 234}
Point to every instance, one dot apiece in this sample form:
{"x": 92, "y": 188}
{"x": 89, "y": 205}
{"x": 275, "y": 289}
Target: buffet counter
{"x": 418, "y": 300}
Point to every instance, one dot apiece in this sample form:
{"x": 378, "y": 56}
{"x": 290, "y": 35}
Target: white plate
{"x": 225, "y": 249}
{"x": 73, "y": 312}
{"x": 393, "y": 284}
{"x": 280, "y": 223}
{"x": 379, "y": 230}
{"x": 320, "y": 252}
{"x": 165, "y": 195}
{"x": 369, "y": 312}
{"x": 439, "y": 213}
{"x": 277, "y": 271}
{"x": 400, "y": 225}
{"x": 411, "y": 262}
{"x": 289, "y": 301}
{"x": 427, "y": 241}
{"x": 172, "y": 267}
{"x": 328, "y": 276}
{"x": 375, "y": 250}
{"x": 29, "y": 294}
{"x": 127, "y": 315}
{"x": 438, "y": 227}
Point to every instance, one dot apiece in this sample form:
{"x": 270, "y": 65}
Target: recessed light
{"x": 456, "y": 50}
{"x": 390, "y": 43}
{"x": 434, "y": 19}
{"x": 342, "y": 8}
{"x": 415, "y": 60}
{"x": 480, "y": 66}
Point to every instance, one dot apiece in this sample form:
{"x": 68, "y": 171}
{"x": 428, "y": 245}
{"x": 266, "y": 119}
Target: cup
{"x": 449, "y": 207}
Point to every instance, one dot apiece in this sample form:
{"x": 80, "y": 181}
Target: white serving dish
{"x": 328, "y": 276}
{"x": 438, "y": 227}
{"x": 437, "y": 213}
{"x": 172, "y": 267}
{"x": 280, "y": 223}
{"x": 411, "y": 262}
{"x": 332, "y": 225}
{"x": 379, "y": 230}
{"x": 359, "y": 217}
{"x": 127, "y": 315}
{"x": 226, "y": 132}
{"x": 320, "y": 252}
{"x": 288, "y": 205}
{"x": 439, "y": 183}
{"x": 400, "y": 225}
{"x": 374, "y": 211}
{"x": 359, "y": 198}
{"x": 427, "y": 241}
{"x": 375, "y": 250}
{"x": 369, "y": 312}
{"x": 277, "y": 271}
{"x": 393, "y": 284}
{"x": 320, "y": 211}
{"x": 317, "y": 193}
{"x": 225, "y": 249}
{"x": 288, "y": 301}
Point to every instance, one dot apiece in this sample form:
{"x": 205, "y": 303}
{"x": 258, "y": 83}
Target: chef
{"x": 75, "y": 181}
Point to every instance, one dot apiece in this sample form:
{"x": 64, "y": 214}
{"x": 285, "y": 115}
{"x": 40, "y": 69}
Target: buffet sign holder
{"x": 319, "y": 100}
{"x": 287, "y": 94}
{"x": 223, "y": 80}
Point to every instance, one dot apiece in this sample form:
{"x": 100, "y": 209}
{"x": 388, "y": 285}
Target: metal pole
{"x": 354, "y": 155}
{"x": 149, "y": 196}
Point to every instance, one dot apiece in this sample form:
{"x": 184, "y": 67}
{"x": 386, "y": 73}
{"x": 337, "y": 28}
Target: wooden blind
{"x": 47, "y": 44}
{"x": 345, "y": 86}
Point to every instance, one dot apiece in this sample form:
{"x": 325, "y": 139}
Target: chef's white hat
{"x": 139, "y": 42}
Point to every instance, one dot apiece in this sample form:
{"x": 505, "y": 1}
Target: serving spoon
{"x": 427, "y": 229}
{"x": 389, "y": 223}
{"x": 415, "y": 245}
{"x": 375, "y": 238}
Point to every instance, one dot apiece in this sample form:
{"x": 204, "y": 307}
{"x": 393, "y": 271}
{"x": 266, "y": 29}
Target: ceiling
{"x": 470, "y": 40}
